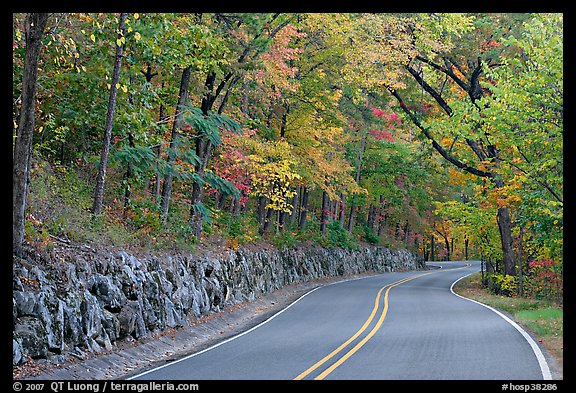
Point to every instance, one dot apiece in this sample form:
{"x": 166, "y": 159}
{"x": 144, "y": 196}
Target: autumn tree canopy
{"x": 441, "y": 133}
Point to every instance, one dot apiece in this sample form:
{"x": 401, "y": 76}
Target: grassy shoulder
{"x": 540, "y": 317}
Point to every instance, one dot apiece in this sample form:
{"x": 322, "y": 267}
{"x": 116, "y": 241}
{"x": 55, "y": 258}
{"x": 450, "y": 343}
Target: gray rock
{"x": 25, "y": 303}
{"x": 30, "y": 332}
{"x": 132, "y": 321}
{"x": 91, "y": 314}
{"x": 50, "y": 310}
{"x": 108, "y": 294}
{"x": 17, "y": 356}
{"x": 73, "y": 331}
{"x": 111, "y": 325}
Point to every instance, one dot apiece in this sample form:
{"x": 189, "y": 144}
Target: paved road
{"x": 401, "y": 325}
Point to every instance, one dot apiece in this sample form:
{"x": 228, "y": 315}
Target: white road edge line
{"x": 249, "y": 330}
{"x": 537, "y": 351}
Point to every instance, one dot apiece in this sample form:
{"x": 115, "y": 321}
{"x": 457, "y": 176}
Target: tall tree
{"x": 34, "y": 29}
{"x": 464, "y": 71}
{"x": 251, "y": 32}
{"x": 168, "y": 177}
{"x": 101, "y": 178}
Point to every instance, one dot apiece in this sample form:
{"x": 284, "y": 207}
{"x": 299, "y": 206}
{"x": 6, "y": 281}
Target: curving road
{"x": 401, "y": 326}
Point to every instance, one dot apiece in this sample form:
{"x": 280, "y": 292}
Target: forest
{"x": 441, "y": 133}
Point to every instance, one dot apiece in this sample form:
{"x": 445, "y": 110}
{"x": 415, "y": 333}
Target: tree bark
{"x": 267, "y": 221}
{"x": 168, "y": 177}
{"x": 350, "y": 224}
{"x": 324, "y": 215}
{"x": 204, "y": 149}
{"x": 101, "y": 177}
{"x": 505, "y": 227}
{"x": 261, "y": 211}
{"x": 34, "y": 25}
{"x": 296, "y": 203}
{"x": 303, "y": 209}
{"x": 126, "y": 179}
{"x": 371, "y": 218}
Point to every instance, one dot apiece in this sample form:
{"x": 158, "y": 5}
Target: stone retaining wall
{"x": 75, "y": 305}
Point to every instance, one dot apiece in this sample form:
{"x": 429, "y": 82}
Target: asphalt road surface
{"x": 396, "y": 326}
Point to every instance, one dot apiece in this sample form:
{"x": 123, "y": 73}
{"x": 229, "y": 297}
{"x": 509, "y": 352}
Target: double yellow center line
{"x": 361, "y": 343}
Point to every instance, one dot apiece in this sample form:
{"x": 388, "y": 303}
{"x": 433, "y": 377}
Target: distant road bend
{"x": 400, "y": 325}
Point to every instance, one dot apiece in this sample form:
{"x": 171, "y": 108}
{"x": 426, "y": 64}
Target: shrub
{"x": 143, "y": 214}
{"x": 336, "y": 236}
{"x": 501, "y": 284}
{"x": 285, "y": 239}
{"x": 544, "y": 280}
{"x": 370, "y": 235}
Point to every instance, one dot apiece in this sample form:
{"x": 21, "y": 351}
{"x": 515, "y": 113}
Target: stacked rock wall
{"x": 73, "y": 306}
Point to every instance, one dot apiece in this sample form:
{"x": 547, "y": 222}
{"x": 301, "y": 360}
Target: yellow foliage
{"x": 273, "y": 174}
{"x": 458, "y": 177}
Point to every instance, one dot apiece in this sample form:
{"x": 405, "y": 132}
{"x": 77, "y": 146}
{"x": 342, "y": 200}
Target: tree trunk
{"x": 505, "y": 227}
{"x": 382, "y": 225}
{"x": 158, "y": 148}
{"x": 35, "y": 24}
{"x": 406, "y": 233}
{"x": 196, "y": 214}
{"x": 204, "y": 149}
{"x": 371, "y": 216}
{"x": 303, "y": 209}
{"x": 520, "y": 270}
{"x": 126, "y": 179}
{"x": 350, "y": 223}
{"x": 168, "y": 177}
{"x": 267, "y": 221}
{"x": 296, "y": 202}
{"x": 101, "y": 178}
{"x": 447, "y": 245}
{"x": 341, "y": 212}
{"x": 324, "y": 215}
{"x": 261, "y": 210}
{"x": 473, "y": 88}
{"x": 281, "y": 220}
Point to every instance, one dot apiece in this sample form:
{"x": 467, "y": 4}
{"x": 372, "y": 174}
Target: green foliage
{"x": 501, "y": 284}
{"x": 336, "y": 236}
{"x": 240, "y": 229}
{"x": 370, "y": 235}
{"x": 209, "y": 125}
{"x": 286, "y": 239}
{"x": 143, "y": 214}
{"x": 141, "y": 158}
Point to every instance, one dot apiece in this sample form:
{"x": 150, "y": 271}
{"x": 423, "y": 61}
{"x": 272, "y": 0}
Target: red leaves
{"x": 545, "y": 279}
{"x": 377, "y": 112}
{"x": 387, "y": 116}
{"x": 382, "y": 135}
{"x": 491, "y": 44}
